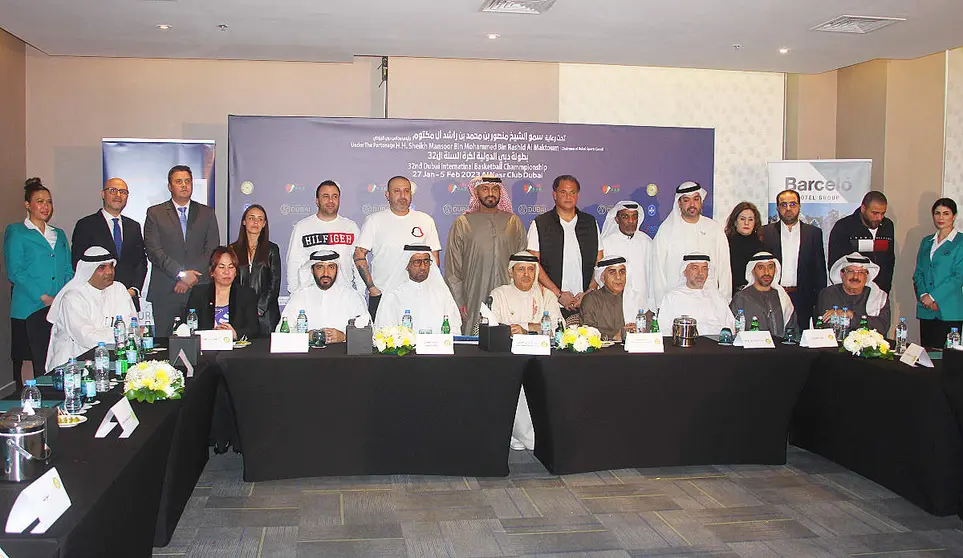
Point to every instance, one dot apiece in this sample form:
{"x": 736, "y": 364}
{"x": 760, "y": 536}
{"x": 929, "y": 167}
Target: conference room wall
{"x": 74, "y": 102}
{"x": 811, "y": 116}
{"x": 953, "y": 150}
{"x": 861, "y": 115}
{"x": 13, "y": 169}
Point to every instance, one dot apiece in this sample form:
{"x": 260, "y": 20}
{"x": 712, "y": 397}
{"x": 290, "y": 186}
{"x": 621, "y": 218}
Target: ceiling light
{"x": 493, "y": 36}
{"x": 222, "y": 26}
{"x": 784, "y": 50}
{"x": 164, "y": 26}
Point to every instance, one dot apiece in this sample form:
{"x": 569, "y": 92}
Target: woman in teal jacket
{"x": 38, "y": 265}
{"x": 938, "y": 279}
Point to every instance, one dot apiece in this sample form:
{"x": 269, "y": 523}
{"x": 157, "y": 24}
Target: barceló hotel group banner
{"x": 278, "y": 161}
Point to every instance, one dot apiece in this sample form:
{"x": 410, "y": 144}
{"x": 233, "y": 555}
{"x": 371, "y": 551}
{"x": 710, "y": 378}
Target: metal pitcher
{"x": 23, "y": 439}
{"x": 684, "y": 331}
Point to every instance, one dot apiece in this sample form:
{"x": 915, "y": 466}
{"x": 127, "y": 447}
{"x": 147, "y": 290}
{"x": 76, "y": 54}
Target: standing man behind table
{"x": 869, "y": 232}
{"x": 180, "y": 236}
{"x": 326, "y": 230}
{"x": 567, "y": 244}
{"x": 385, "y": 235}
{"x": 480, "y": 243}
{"x": 799, "y": 248}
{"x": 118, "y": 233}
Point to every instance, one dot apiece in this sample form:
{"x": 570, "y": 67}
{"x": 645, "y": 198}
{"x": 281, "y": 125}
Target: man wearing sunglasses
{"x": 799, "y": 248}
{"x": 119, "y": 234}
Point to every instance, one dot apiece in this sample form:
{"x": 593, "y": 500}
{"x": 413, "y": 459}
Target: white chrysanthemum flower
{"x": 580, "y": 345}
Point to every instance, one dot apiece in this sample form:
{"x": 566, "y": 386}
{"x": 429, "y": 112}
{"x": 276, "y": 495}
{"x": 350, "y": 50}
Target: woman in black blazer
{"x": 259, "y": 266}
{"x": 221, "y": 304}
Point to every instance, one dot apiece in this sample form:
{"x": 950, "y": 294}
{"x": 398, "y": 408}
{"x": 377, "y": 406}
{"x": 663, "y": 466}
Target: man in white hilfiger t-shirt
{"x": 385, "y": 234}
{"x": 325, "y": 230}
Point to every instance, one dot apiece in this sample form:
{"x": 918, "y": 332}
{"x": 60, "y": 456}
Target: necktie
{"x": 118, "y": 239}
{"x": 183, "y": 212}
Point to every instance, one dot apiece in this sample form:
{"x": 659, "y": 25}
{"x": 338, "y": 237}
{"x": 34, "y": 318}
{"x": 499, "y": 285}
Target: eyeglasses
{"x": 784, "y": 205}
{"x": 421, "y": 263}
{"x": 116, "y": 192}
{"x": 857, "y": 272}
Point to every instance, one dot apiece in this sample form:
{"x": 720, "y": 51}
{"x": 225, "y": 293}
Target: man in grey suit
{"x": 180, "y": 236}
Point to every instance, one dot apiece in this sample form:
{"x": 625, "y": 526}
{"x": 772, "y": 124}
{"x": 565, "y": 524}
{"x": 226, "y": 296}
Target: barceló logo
{"x": 417, "y": 232}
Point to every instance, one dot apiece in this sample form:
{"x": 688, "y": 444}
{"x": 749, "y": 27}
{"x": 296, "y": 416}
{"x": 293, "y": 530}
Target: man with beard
{"x": 327, "y": 301}
{"x": 764, "y": 297}
{"x": 869, "y": 232}
{"x": 522, "y": 303}
{"x": 480, "y": 243}
{"x": 605, "y": 308}
{"x": 697, "y": 298}
{"x": 621, "y": 235}
{"x": 424, "y": 293}
{"x": 854, "y": 287}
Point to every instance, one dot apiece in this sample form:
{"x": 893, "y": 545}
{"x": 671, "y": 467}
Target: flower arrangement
{"x": 153, "y": 380}
{"x": 867, "y": 343}
{"x": 394, "y": 340}
{"x": 580, "y": 339}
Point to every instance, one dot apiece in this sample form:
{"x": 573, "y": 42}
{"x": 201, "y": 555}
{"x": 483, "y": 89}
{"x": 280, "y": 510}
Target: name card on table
{"x": 123, "y": 413}
{"x": 44, "y": 499}
{"x": 216, "y": 340}
{"x": 538, "y": 345}
{"x": 914, "y": 354}
{"x": 434, "y": 344}
{"x": 818, "y": 339}
{"x": 754, "y": 340}
{"x": 185, "y": 362}
{"x": 644, "y": 343}
{"x": 289, "y": 342}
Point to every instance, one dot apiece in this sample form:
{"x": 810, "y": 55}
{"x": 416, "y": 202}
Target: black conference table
{"x": 689, "y": 406}
{"x": 327, "y": 413}
{"x": 888, "y": 422}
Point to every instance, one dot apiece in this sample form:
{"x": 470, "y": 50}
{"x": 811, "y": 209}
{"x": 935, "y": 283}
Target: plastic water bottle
{"x": 301, "y": 325}
{"x": 844, "y": 322}
{"x": 445, "y": 326}
{"x": 407, "y": 321}
{"x": 31, "y": 395}
{"x": 192, "y": 320}
{"x": 953, "y": 338}
{"x": 545, "y": 325}
{"x": 754, "y": 324}
{"x": 902, "y": 336}
{"x": 73, "y": 389}
{"x": 147, "y": 340}
{"x": 835, "y": 322}
{"x": 120, "y": 332}
{"x": 640, "y": 321}
{"x": 101, "y": 368}
{"x": 740, "y": 321}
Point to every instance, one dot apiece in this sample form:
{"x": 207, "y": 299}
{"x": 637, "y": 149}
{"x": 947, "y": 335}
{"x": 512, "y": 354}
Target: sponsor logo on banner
{"x": 651, "y": 211}
{"x": 610, "y": 188}
{"x": 290, "y": 188}
{"x": 525, "y": 209}
{"x": 376, "y": 188}
{"x": 247, "y": 187}
{"x": 452, "y": 188}
{"x": 530, "y": 188}
{"x": 652, "y": 190}
{"x": 452, "y": 209}
{"x": 327, "y": 239}
{"x": 369, "y": 208}
{"x": 296, "y": 209}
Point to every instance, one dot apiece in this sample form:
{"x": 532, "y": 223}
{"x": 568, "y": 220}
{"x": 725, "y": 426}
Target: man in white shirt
{"x": 423, "y": 292}
{"x": 696, "y": 297}
{"x": 621, "y": 235}
{"x": 686, "y": 230}
{"x": 385, "y": 235}
{"x": 324, "y": 230}
{"x": 328, "y": 302}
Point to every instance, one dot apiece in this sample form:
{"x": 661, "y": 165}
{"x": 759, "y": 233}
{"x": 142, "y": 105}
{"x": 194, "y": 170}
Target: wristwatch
{"x": 181, "y": 274}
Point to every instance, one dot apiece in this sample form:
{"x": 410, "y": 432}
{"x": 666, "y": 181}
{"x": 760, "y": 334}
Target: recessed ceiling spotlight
{"x": 784, "y": 50}
{"x": 222, "y": 26}
{"x": 164, "y": 26}
{"x": 736, "y": 46}
{"x": 493, "y": 36}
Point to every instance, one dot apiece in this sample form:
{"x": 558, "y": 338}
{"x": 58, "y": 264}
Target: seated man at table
{"x": 605, "y": 307}
{"x": 424, "y": 293}
{"x": 329, "y": 302}
{"x": 764, "y": 297}
{"x": 854, "y": 288}
{"x": 521, "y": 303}
{"x": 83, "y": 311}
{"x": 694, "y": 298}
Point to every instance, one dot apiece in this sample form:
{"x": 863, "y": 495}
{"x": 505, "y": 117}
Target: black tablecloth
{"x": 888, "y": 422}
{"x": 325, "y": 413}
{"x": 702, "y": 405}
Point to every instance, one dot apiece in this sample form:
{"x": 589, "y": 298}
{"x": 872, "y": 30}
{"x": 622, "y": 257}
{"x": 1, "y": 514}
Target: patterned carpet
{"x": 810, "y": 507}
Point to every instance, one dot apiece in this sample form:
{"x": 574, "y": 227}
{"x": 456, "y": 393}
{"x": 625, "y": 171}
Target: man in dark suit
{"x": 799, "y": 246}
{"x": 120, "y": 235}
{"x": 180, "y": 236}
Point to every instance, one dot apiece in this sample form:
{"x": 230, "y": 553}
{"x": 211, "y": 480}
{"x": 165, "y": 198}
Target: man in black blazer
{"x": 120, "y": 235}
{"x": 180, "y": 236}
{"x": 799, "y": 246}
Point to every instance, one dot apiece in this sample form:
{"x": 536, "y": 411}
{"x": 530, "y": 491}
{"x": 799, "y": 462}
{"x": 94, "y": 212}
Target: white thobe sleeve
{"x": 295, "y": 259}
{"x": 533, "y": 237}
{"x": 388, "y": 314}
{"x": 295, "y": 303}
{"x": 658, "y": 264}
{"x": 84, "y": 327}
{"x": 721, "y": 265}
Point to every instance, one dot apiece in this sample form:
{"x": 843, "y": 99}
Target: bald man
{"x": 119, "y": 234}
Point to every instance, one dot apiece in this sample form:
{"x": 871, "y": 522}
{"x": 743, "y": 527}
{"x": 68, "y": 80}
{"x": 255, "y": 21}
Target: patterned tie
{"x": 183, "y": 211}
{"x": 118, "y": 240}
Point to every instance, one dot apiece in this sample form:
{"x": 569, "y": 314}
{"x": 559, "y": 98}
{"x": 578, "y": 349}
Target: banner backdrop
{"x": 829, "y": 189}
{"x": 279, "y": 161}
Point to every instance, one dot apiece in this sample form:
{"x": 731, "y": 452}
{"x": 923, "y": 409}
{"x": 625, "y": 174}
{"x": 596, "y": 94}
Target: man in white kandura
{"x": 687, "y": 231}
{"x": 424, "y": 292}
{"x": 329, "y": 301}
{"x": 621, "y": 235}
{"x": 696, "y": 298}
{"x": 83, "y": 311}
{"x": 764, "y": 297}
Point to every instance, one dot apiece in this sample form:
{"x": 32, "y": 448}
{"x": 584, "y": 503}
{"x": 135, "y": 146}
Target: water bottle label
{"x": 148, "y": 343}
{"x": 90, "y": 388}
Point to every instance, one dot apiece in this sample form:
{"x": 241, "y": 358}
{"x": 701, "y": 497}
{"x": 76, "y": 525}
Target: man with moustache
{"x": 423, "y": 293}
{"x": 326, "y": 229}
{"x": 605, "y": 308}
{"x": 869, "y": 232}
{"x": 763, "y": 296}
{"x": 120, "y": 234}
{"x": 854, "y": 287}
{"x": 480, "y": 242}
{"x": 695, "y": 297}
{"x": 328, "y": 302}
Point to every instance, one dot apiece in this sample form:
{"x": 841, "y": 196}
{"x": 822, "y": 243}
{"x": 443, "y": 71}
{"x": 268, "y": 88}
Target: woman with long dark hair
{"x": 744, "y": 231}
{"x": 38, "y": 264}
{"x": 224, "y": 304}
{"x": 938, "y": 278}
{"x": 259, "y": 266}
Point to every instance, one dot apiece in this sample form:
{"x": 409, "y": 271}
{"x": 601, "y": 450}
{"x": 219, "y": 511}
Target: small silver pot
{"x": 23, "y": 439}
{"x": 684, "y": 331}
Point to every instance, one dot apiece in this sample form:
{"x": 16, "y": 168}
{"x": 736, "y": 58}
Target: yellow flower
{"x": 582, "y": 330}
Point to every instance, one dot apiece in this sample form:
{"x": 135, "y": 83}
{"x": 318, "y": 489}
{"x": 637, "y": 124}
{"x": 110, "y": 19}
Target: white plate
{"x": 82, "y": 420}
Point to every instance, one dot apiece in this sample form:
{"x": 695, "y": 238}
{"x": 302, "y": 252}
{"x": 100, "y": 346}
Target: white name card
{"x": 44, "y": 499}
{"x": 538, "y": 345}
{"x": 216, "y": 340}
{"x": 818, "y": 339}
{"x": 289, "y": 342}
{"x": 434, "y": 344}
{"x": 914, "y": 354}
{"x": 182, "y": 356}
{"x": 121, "y": 413}
{"x": 644, "y": 343}
{"x": 754, "y": 340}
